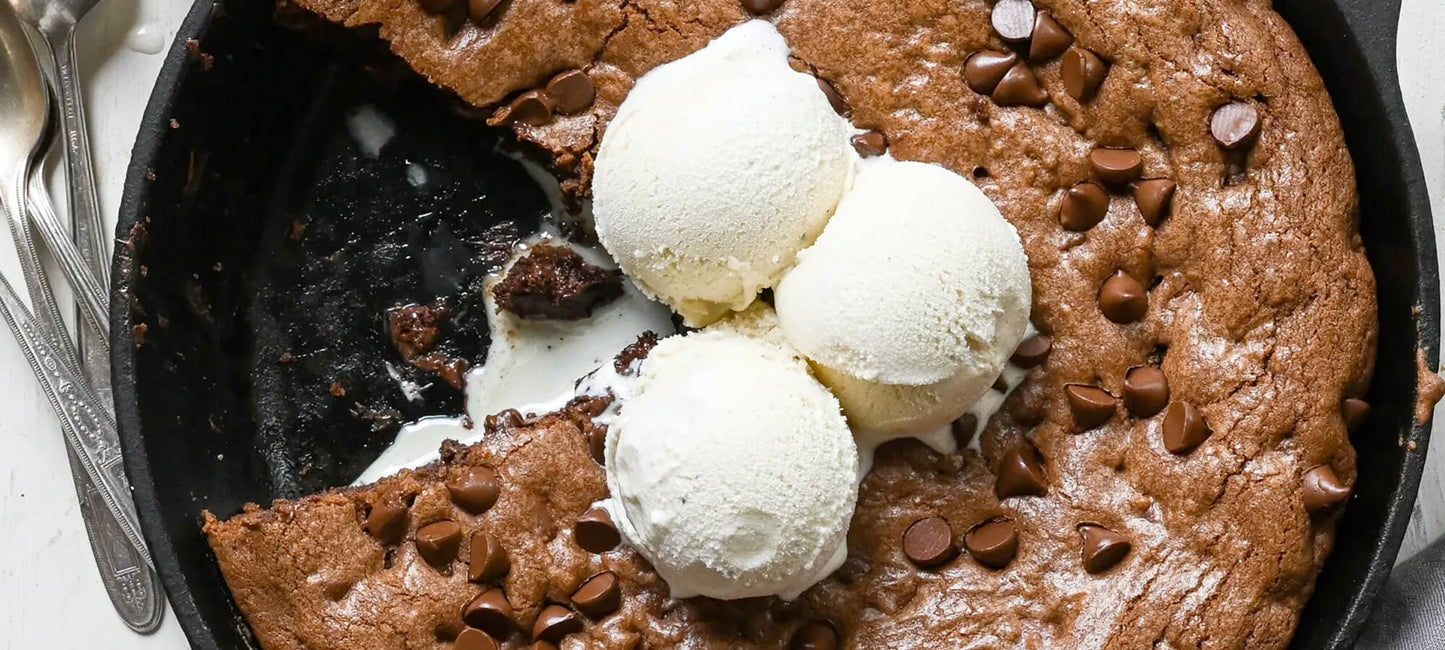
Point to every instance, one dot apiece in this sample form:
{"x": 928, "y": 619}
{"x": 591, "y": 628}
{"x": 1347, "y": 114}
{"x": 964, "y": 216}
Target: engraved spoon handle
{"x": 88, "y": 427}
{"x": 93, "y": 301}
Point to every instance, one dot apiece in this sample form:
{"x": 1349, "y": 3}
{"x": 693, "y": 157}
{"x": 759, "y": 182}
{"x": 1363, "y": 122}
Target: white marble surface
{"x": 50, "y": 595}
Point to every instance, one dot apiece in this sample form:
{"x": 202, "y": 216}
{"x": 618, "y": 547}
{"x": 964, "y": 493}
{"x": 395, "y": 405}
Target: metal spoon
{"x": 56, "y": 21}
{"x": 89, "y": 429}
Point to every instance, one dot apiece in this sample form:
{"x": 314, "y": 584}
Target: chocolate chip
{"x": 762, "y": 7}
{"x": 1234, "y": 125}
{"x": 1083, "y": 73}
{"x": 928, "y": 542}
{"x": 1019, "y": 87}
{"x": 993, "y": 543}
{"x": 595, "y": 531}
{"x": 436, "y": 6}
{"x": 1033, "y": 351}
{"x": 480, "y": 10}
{"x": 1153, "y": 197}
{"x": 438, "y": 542}
{"x": 1103, "y": 548}
{"x": 387, "y": 520}
{"x": 1091, "y": 405}
{"x": 474, "y": 639}
{"x": 533, "y": 107}
{"x": 964, "y": 429}
{"x": 1083, "y": 207}
{"x": 1146, "y": 391}
{"x": 487, "y": 560}
{"x": 1122, "y": 299}
{"x": 555, "y": 622}
{"x": 508, "y": 419}
{"x": 1323, "y": 491}
{"x": 597, "y": 441}
{"x": 983, "y": 70}
{"x": 543, "y": 645}
{"x": 598, "y": 596}
{"x": 815, "y": 635}
{"x": 1184, "y": 428}
{"x": 1000, "y": 384}
{"x": 1116, "y": 166}
{"x": 571, "y": 91}
{"x": 475, "y": 489}
{"x": 490, "y": 612}
{"x": 1013, "y": 20}
{"x": 1355, "y": 413}
{"x": 835, "y": 99}
{"x": 1020, "y": 474}
{"x": 1050, "y": 39}
{"x": 870, "y": 144}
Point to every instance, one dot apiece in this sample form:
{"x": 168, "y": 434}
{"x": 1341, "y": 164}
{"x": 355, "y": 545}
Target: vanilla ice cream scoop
{"x": 731, "y": 469}
{"x": 718, "y": 168}
{"x": 912, "y": 300}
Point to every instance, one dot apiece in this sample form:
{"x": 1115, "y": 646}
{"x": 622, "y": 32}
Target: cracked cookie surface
{"x": 1260, "y": 314}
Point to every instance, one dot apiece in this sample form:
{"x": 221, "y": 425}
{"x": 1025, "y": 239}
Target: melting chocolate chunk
{"x": 1020, "y": 474}
{"x": 474, "y": 639}
{"x": 436, "y": 6}
{"x": 533, "y": 108}
{"x": 480, "y": 10}
{"x": 1083, "y": 207}
{"x": 598, "y": 595}
{"x": 554, "y": 623}
{"x": 1091, "y": 405}
{"x": 1019, "y": 87}
{"x": 1083, "y": 72}
{"x": 438, "y": 542}
{"x": 1323, "y": 490}
{"x": 1153, "y": 197}
{"x": 1103, "y": 548}
{"x": 571, "y": 91}
{"x": 928, "y": 542}
{"x": 983, "y": 70}
{"x": 1033, "y": 351}
{"x": 835, "y": 99}
{"x": 1355, "y": 412}
{"x": 487, "y": 560}
{"x": 815, "y": 635}
{"x": 1122, "y": 299}
{"x": 595, "y": 531}
{"x": 964, "y": 429}
{"x": 762, "y": 7}
{"x": 870, "y": 144}
{"x": 387, "y": 520}
{"x": 1146, "y": 391}
{"x": 475, "y": 489}
{"x": 1116, "y": 166}
{"x": 993, "y": 543}
{"x": 1184, "y": 428}
{"x": 490, "y": 612}
{"x": 1235, "y": 125}
{"x": 1050, "y": 39}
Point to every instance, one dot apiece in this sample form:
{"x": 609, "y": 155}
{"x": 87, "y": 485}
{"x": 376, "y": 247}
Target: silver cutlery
{"x": 89, "y": 429}
{"x": 56, "y": 21}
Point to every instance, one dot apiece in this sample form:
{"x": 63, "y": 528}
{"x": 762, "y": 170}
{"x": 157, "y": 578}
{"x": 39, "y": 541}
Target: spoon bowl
{"x": 23, "y": 104}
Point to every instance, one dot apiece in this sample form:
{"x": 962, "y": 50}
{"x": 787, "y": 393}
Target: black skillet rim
{"x": 1370, "y": 26}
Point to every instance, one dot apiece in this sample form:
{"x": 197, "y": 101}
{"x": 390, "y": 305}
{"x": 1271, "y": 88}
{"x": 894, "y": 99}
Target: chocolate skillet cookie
{"x": 1168, "y": 476}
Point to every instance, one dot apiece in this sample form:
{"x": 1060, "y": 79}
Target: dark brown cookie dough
{"x": 1254, "y": 300}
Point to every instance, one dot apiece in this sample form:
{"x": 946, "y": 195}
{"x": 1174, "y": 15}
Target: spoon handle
{"x": 84, "y": 202}
{"x": 94, "y": 304}
{"x": 89, "y": 429}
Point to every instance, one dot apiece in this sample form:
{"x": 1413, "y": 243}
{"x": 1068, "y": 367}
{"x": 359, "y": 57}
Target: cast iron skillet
{"x": 259, "y": 246}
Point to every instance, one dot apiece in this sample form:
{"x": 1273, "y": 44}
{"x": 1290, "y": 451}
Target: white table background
{"x": 50, "y": 593}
